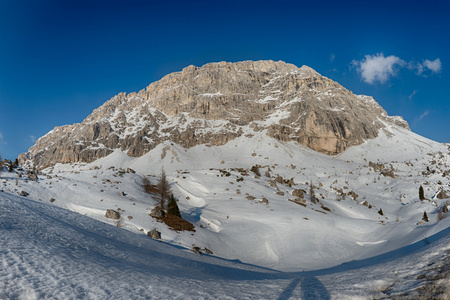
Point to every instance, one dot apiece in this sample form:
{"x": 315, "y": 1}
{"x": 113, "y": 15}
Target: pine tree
{"x": 172, "y": 207}
{"x": 425, "y": 217}
{"x": 163, "y": 189}
{"x": 421, "y": 193}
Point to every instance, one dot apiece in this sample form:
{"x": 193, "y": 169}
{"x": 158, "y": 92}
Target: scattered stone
{"x": 23, "y": 193}
{"x": 196, "y": 250}
{"x": 279, "y": 179}
{"x": 112, "y": 214}
{"x": 52, "y": 200}
{"x": 290, "y": 182}
{"x": 273, "y": 184}
{"x": 157, "y": 212}
{"x": 442, "y": 195}
{"x": 129, "y": 170}
{"x": 264, "y": 200}
{"x": 154, "y": 234}
{"x": 388, "y": 173}
{"x": 376, "y": 166}
{"x": 122, "y": 194}
{"x": 207, "y": 251}
{"x": 298, "y": 193}
{"x": 32, "y": 177}
{"x": 353, "y": 195}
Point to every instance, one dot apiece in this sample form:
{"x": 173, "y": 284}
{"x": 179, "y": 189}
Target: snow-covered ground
{"x": 51, "y": 253}
{"x": 266, "y": 243}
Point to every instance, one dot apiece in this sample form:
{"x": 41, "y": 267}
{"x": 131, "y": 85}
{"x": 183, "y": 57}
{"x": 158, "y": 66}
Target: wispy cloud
{"x": 377, "y": 67}
{"x": 332, "y": 57}
{"x": 423, "y": 115}
{"x": 380, "y": 68}
{"x": 412, "y": 95}
{"x": 32, "y": 138}
{"x": 1, "y": 139}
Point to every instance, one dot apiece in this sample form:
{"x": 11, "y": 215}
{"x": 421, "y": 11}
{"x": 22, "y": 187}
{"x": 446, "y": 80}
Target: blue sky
{"x": 59, "y": 60}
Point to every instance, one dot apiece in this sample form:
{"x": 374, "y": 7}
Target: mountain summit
{"x": 215, "y": 104}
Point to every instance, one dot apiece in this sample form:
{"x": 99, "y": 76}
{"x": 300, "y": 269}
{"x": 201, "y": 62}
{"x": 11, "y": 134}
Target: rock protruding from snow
{"x": 215, "y": 104}
{"x": 112, "y": 214}
{"x": 157, "y": 212}
{"x": 154, "y": 234}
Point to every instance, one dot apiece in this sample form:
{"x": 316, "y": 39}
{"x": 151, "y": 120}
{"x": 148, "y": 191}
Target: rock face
{"x": 214, "y": 104}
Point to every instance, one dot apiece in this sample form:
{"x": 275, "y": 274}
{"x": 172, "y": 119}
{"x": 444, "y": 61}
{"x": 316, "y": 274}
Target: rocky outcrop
{"x": 213, "y": 105}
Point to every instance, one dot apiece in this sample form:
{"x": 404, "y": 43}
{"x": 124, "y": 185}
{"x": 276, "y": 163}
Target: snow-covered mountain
{"x": 248, "y": 158}
{"x": 215, "y": 104}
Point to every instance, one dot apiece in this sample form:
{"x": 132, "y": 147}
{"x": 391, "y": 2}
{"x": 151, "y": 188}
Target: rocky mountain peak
{"x": 216, "y": 103}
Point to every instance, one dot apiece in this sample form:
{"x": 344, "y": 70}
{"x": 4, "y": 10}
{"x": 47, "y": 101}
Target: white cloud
{"x": 332, "y": 57}
{"x": 434, "y": 66}
{"x": 32, "y": 138}
{"x": 375, "y": 68}
{"x": 379, "y": 68}
{"x": 1, "y": 135}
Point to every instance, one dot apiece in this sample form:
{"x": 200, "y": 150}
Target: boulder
{"x": 32, "y": 177}
{"x": 298, "y": 193}
{"x": 23, "y": 193}
{"x": 196, "y": 250}
{"x": 442, "y": 195}
{"x": 112, "y": 214}
{"x": 157, "y": 212}
{"x": 154, "y": 234}
{"x": 207, "y": 251}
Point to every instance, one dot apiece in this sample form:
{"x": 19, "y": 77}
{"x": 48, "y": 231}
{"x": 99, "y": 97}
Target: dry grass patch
{"x": 176, "y": 223}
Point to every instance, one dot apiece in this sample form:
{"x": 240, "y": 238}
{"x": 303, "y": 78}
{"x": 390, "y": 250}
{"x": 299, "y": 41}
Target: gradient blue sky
{"x": 59, "y": 60}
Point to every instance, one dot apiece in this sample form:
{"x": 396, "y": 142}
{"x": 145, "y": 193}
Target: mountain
{"x": 254, "y": 175}
{"x": 215, "y": 104}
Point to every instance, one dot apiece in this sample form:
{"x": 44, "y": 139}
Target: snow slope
{"x": 51, "y": 253}
{"x": 254, "y": 221}
{"x": 247, "y": 218}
